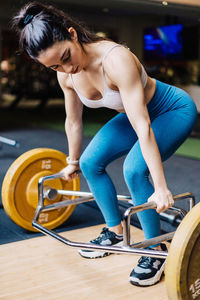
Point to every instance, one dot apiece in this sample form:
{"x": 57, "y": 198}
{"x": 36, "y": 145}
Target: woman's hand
{"x": 163, "y": 199}
{"x": 70, "y": 172}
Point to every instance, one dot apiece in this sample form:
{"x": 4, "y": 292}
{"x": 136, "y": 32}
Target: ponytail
{"x": 39, "y": 26}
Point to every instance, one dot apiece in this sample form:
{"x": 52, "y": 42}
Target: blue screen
{"x": 164, "y": 42}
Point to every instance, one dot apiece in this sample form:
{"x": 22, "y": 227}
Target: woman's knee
{"x": 89, "y": 165}
{"x": 135, "y": 172}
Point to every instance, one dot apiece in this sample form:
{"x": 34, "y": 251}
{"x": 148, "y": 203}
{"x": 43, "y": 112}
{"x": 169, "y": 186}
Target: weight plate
{"x": 20, "y": 188}
{"x": 183, "y": 262}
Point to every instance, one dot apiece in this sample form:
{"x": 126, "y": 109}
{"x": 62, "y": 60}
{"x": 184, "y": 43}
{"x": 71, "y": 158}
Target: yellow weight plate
{"x": 183, "y": 262}
{"x": 20, "y": 188}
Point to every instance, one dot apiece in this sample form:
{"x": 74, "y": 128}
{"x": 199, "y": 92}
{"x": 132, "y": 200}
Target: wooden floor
{"x": 45, "y": 269}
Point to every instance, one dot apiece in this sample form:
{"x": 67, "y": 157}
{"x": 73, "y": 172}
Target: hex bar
{"x": 89, "y": 246}
{"x": 127, "y": 247}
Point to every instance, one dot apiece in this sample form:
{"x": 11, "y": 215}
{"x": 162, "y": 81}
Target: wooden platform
{"x": 45, "y": 269}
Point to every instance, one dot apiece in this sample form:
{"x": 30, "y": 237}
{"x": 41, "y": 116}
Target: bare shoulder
{"x": 122, "y": 63}
{"x": 119, "y": 56}
{"x": 122, "y": 67}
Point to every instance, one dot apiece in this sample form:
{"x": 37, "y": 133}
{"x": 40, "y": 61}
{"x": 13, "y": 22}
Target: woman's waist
{"x": 149, "y": 90}
{"x": 167, "y": 97}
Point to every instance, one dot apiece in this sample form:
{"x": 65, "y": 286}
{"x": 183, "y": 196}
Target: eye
{"x": 54, "y": 67}
{"x": 67, "y": 57}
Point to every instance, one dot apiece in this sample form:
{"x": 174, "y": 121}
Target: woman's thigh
{"x": 113, "y": 140}
{"x": 171, "y": 129}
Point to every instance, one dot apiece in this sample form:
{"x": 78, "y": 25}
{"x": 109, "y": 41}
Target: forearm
{"x": 74, "y": 134}
{"x": 152, "y": 157}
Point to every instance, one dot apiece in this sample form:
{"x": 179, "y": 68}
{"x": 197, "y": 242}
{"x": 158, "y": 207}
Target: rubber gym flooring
{"x": 182, "y": 175}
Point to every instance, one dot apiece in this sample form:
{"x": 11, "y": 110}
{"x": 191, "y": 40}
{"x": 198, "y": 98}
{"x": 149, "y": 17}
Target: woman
{"x": 153, "y": 121}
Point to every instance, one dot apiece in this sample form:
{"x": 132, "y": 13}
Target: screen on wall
{"x": 171, "y": 42}
{"x": 163, "y": 42}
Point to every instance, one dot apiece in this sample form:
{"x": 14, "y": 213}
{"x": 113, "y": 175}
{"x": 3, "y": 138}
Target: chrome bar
{"x": 37, "y": 214}
{"x": 192, "y": 201}
{"x": 127, "y": 247}
{"x": 154, "y": 241}
{"x": 90, "y": 246}
{"x": 66, "y": 203}
{"x": 78, "y": 193}
{"x": 126, "y": 219}
{"x": 133, "y": 209}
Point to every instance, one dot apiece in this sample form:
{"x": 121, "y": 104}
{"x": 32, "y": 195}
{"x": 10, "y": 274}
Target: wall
{"x": 127, "y": 29}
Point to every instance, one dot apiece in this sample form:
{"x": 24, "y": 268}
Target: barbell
{"x": 20, "y": 188}
{"x": 36, "y": 197}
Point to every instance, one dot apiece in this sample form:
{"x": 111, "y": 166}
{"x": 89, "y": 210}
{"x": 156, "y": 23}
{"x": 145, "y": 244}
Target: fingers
{"x": 162, "y": 206}
{"x": 69, "y": 177}
{"x": 163, "y": 201}
{"x": 74, "y": 175}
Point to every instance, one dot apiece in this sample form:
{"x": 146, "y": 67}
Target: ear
{"x": 73, "y": 33}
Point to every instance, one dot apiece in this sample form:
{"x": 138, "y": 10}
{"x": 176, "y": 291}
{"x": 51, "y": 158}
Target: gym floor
{"x": 33, "y": 129}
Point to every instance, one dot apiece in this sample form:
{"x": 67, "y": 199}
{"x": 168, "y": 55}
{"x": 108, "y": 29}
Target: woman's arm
{"x": 73, "y": 123}
{"x": 127, "y": 78}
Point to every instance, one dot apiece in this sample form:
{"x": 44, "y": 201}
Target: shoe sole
{"x": 151, "y": 281}
{"x": 95, "y": 254}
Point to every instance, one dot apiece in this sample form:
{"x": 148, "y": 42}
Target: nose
{"x": 68, "y": 68}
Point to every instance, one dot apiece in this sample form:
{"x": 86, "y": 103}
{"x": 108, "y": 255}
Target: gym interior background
{"x": 32, "y": 105}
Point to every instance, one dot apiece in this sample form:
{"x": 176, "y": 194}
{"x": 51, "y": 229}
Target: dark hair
{"x": 39, "y": 26}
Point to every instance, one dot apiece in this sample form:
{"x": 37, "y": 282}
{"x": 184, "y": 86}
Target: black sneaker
{"x": 149, "y": 270}
{"x": 107, "y": 238}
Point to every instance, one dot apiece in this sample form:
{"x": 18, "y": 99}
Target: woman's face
{"x": 65, "y": 56}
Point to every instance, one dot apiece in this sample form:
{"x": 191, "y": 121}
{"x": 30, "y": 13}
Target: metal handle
{"x": 150, "y": 205}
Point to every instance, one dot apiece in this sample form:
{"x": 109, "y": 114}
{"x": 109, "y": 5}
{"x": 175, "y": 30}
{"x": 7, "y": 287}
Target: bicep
{"x": 135, "y": 107}
{"x": 124, "y": 74}
{"x": 132, "y": 94}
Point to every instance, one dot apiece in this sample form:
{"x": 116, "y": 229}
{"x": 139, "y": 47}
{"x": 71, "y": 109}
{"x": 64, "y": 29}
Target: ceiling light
{"x": 165, "y": 3}
{"x": 101, "y": 34}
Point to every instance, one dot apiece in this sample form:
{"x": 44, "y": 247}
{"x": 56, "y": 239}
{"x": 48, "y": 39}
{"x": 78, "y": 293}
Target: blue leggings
{"x": 173, "y": 114}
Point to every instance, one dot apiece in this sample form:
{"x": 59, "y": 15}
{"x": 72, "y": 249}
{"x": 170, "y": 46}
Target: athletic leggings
{"x": 173, "y": 114}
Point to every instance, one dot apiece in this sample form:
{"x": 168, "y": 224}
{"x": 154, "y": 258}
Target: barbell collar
{"x": 50, "y": 193}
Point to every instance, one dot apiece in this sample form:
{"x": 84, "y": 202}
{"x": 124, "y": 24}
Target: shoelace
{"x": 104, "y": 235}
{"x": 146, "y": 261}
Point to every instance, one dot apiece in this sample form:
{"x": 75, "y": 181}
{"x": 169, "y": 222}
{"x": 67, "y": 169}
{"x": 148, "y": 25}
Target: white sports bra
{"x": 111, "y": 98}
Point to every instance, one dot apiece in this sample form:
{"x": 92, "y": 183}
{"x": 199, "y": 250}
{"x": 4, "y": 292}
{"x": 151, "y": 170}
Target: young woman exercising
{"x": 154, "y": 119}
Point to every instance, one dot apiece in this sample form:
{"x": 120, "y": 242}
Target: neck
{"x": 92, "y": 54}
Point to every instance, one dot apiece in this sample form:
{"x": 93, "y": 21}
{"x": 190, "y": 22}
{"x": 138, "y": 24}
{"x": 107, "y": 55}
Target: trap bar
{"x": 128, "y": 247}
